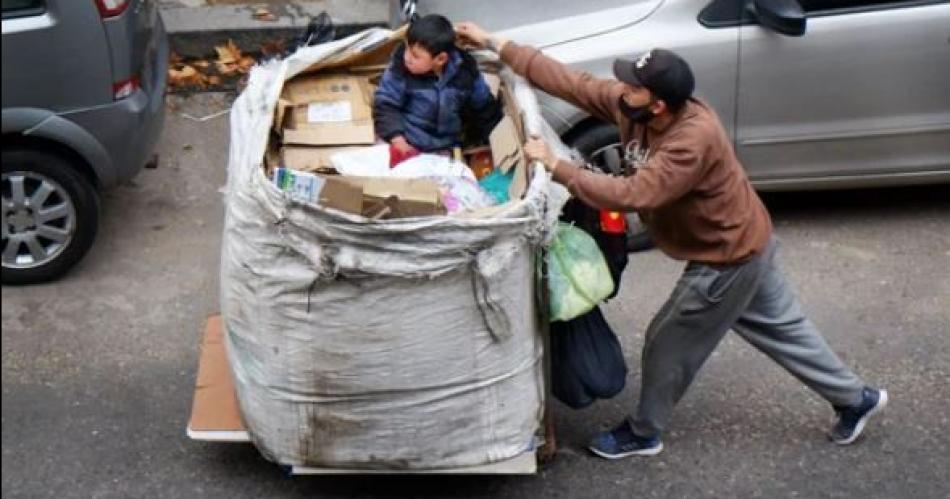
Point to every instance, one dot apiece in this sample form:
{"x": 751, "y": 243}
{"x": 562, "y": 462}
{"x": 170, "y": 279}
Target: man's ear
{"x": 659, "y": 107}
{"x": 441, "y": 59}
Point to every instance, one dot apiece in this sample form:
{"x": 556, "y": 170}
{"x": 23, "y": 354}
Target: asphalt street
{"x": 98, "y": 368}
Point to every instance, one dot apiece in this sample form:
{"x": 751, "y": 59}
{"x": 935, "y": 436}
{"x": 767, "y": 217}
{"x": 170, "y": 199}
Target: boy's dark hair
{"x": 434, "y": 33}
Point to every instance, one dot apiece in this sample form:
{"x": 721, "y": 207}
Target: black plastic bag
{"x": 320, "y": 29}
{"x": 586, "y": 360}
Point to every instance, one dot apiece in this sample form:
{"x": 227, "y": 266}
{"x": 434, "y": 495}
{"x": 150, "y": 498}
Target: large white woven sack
{"x": 395, "y": 344}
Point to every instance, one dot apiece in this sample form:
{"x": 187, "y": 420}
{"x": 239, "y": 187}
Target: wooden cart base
{"x": 215, "y": 416}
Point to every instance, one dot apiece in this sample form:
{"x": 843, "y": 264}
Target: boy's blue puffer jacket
{"x": 429, "y": 111}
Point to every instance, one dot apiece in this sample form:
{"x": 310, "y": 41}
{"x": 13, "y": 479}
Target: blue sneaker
{"x": 621, "y": 442}
{"x": 851, "y": 420}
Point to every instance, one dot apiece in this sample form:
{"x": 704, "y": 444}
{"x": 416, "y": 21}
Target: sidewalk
{"x": 195, "y": 27}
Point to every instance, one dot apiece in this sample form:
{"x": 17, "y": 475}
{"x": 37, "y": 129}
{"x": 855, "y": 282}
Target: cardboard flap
{"x": 280, "y": 113}
{"x": 341, "y": 195}
{"x": 331, "y": 134}
{"x": 311, "y": 159}
{"x": 402, "y": 197}
{"x": 506, "y": 145}
{"x": 508, "y": 155}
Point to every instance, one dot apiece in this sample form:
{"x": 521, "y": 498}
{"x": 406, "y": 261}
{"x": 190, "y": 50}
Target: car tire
{"x": 592, "y": 139}
{"x": 50, "y": 215}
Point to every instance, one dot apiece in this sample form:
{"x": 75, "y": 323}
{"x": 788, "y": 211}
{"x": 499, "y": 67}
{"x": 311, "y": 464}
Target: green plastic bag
{"x": 578, "y": 277}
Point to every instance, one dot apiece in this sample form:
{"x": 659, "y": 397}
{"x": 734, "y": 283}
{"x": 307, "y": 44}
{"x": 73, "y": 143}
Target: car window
{"x": 723, "y": 13}
{"x": 18, "y": 8}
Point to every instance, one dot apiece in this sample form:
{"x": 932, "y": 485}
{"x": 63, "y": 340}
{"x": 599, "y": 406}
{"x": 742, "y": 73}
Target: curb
{"x": 193, "y": 32}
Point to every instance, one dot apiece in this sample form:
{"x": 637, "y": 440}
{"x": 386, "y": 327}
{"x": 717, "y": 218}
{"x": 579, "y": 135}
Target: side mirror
{"x": 782, "y": 16}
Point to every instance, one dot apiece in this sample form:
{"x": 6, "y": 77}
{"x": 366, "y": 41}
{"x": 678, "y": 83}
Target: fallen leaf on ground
{"x": 183, "y": 75}
{"x": 226, "y": 68}
{"x": 246, "y": 62}
{"x": 228, "y": 53}
{"x": 180, "y": 75}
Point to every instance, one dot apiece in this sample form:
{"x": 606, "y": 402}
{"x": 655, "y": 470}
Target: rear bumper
{"x": 129, "y": 129}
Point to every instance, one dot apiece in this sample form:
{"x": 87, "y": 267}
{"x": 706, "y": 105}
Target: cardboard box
{"x": 398, "y": 197}
{"x": 508, "y": 154}
{"x": 311, "y": 159}
{"x": 341, "y": 195}
{"x": 326, "y": 190}
{"x": 368, "y": 196}
{"x": 326, "y": 110}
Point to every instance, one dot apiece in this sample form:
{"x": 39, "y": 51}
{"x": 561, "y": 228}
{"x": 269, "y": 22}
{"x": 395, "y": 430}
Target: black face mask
{"x": 639, "y": 114}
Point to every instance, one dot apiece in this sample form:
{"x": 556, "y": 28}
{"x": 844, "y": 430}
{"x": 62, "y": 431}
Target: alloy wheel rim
{"x": 39, "y": 219}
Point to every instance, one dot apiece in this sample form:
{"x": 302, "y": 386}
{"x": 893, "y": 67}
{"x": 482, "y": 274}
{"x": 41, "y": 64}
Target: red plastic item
{"x": 396, "y": 156}
{"x": 612, "y": 222}
{"x": 481, "y": 162}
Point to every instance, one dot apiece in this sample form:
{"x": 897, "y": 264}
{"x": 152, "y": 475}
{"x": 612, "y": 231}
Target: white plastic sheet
{"x": 397, "y": 344}
{"x": 373, "y": 161}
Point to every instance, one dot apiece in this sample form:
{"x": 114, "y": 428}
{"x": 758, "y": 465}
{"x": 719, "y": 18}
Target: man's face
{"x": 419, "y": 61}
{"x": 637, "y": 96}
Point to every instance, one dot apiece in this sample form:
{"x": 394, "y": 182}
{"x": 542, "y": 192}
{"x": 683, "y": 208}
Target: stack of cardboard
{"x": 321, "y": 114}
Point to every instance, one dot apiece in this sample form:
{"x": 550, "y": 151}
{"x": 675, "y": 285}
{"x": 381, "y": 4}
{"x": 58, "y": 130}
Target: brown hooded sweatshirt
{"x": 691, "y": 191}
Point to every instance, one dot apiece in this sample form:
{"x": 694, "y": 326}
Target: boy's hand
{"x": 537, "y": 149}
{"x": 470, "y": 33}
{"x": 400, "y": 143}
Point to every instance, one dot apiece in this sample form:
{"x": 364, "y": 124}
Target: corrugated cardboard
{"x": 342, "y": 195}
{"x": 331, "y": 134}
{"x": 328, "y": 110}
{"x": 279, "y": 113}
{"x": 310, "y": 159}
{"x": 214, "y": 407}
{"x": 403, "y": 197}
{"x": 511, "y": 109}
{"x": 367, "y": 196}
{"x": 508, "y": 154}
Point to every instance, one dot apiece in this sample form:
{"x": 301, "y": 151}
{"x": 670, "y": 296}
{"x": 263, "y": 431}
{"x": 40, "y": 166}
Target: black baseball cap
{"x": 660, "y": 71}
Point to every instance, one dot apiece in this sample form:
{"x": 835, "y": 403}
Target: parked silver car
{"x": 83, "y": 108}
{"x": 815, "y": 93}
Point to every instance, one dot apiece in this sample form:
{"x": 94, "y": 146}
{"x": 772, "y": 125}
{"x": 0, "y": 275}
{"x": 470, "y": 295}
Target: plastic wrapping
{"x": 397, "y": 344}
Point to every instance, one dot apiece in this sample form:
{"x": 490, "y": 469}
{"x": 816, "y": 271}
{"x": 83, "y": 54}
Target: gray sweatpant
{"x": 756, "y": 301}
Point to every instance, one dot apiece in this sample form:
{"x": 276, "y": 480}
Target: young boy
{"x": 427, "y": 90}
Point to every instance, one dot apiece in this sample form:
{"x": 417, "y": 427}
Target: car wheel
{"x": 50, "y": 216}
{"x": 599, "y": 145}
